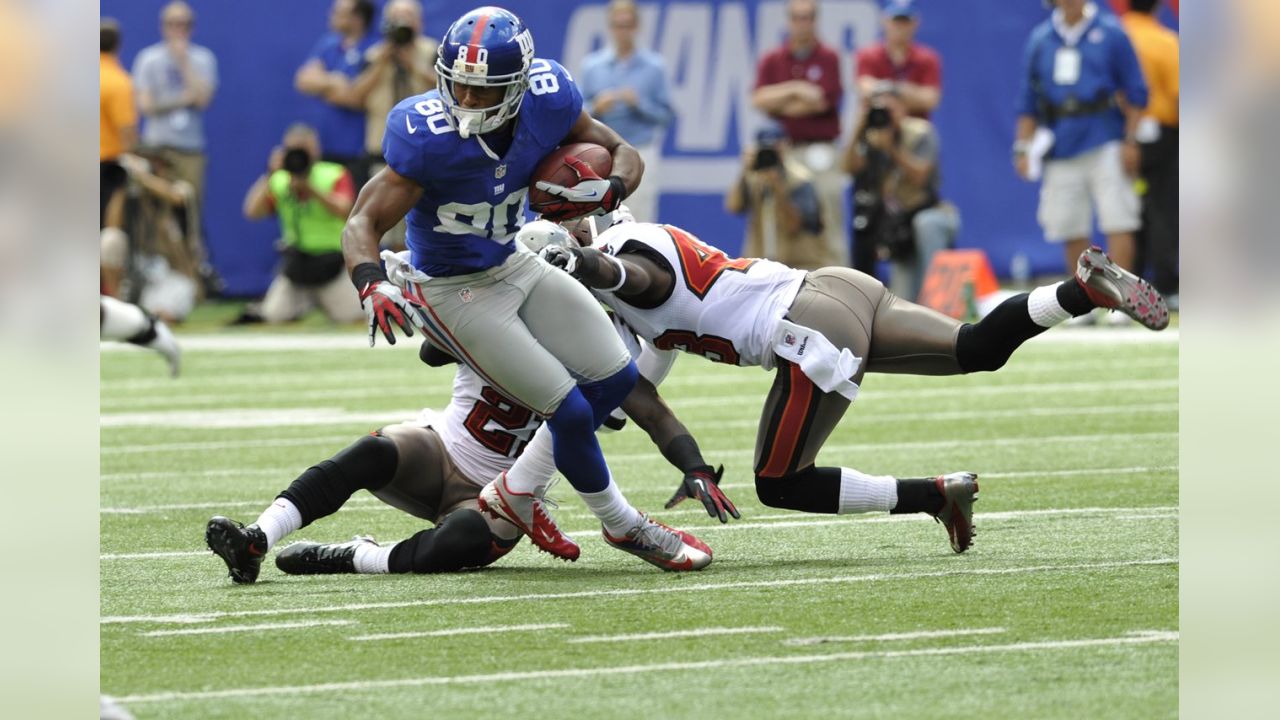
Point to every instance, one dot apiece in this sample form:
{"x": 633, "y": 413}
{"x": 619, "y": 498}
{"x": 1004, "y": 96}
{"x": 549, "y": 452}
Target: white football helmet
{"x": 538, "y": 234}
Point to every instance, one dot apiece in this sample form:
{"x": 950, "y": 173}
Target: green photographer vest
{"x": 309, "y": 226}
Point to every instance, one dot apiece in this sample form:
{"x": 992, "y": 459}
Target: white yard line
{"x": 462, "y": 631}
{"x": 719, "y": 664}
{"x": 1111, "y": 438}
{"x": 362, "y": 503}
{"x": 756, "y": 522}
{"x": 801, "y": 641}
{"x": 698, "y": 632}
{"x": 226, "y": 418}
{"x": 622, "y": 592}
{"x": 1132, "y": 470}
{"x": 752, "y": 398}
{"x": 357, "y": 340}
{"x": 247, "y": 628}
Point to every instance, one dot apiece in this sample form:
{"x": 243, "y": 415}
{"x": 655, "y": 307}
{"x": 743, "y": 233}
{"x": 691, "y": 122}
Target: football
{"x": 554, "y": 169}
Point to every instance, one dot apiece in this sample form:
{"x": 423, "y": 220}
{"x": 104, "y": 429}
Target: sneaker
{"x": 527, "y": 512}
{"x": 167, "y": 345}
{"x": 305, "y": 558}
{"x": 240, "y": 547}
{"x": 1110, "y": 286}
{"x": 657, "y": 544}
{"x": 959, "y": 492}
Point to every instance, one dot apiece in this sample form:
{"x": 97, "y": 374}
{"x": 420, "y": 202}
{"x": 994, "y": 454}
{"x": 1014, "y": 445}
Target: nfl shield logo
{"x": 500, "y": 171}
{"x": 465, "y": 294}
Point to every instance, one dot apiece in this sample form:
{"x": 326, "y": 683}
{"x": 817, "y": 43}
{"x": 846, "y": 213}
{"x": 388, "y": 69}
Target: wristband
{"x": 622, "y": 275}
{"x": 619, "y": 190}
{"x": 366, "y": 274}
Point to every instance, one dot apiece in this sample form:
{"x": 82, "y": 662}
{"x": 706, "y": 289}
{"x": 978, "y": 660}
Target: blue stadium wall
{"x": 710, "y": 49}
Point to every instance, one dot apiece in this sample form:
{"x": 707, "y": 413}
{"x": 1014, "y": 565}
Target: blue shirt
{"x": 341, "y": 129}
{"x": 1107, "y": 64}
{"x": 156, "y": 73}
{"x": 642, "y": 72}
{"x": 472, "y": 205}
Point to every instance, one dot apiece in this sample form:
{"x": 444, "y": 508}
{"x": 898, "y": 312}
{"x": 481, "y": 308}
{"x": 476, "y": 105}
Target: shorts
{"x": 1074, "y": 186}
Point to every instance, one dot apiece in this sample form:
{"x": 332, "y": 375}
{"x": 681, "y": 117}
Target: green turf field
{"x": 1065, "y": 607}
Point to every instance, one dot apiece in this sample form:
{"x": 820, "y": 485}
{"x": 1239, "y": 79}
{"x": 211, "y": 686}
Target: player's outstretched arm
{"x": 630, "y": 276}
{"x": 650, "y": 412}
{"x": 382, "y": 202}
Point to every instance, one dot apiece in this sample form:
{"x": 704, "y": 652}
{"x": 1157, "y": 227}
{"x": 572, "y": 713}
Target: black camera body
{"x": 766, "y": 158}
{"x": 297, "y": 161}
{"x": 397, "y": 34}
{"x": 878, "y": 117}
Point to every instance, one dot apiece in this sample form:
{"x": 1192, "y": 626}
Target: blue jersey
{"x": 1106, "y": 63}
{"x": 472, "y": 205}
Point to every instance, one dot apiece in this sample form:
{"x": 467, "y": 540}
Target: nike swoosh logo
{"x": 409, "y": 124}
{"x": 546, "y": 536}
{"x": 686, "y": 565}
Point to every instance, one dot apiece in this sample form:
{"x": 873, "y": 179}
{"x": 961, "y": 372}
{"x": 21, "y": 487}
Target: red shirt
{"x": 821, "y": 67}
{"x": 921, "y": 68}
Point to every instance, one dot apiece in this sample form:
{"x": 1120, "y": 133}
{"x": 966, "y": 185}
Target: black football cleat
{"x": 304, "y": 558}
{"x": 240, "y": 547}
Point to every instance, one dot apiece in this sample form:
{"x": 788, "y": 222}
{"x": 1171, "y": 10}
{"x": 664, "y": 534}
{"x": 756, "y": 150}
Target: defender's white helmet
{"x": 538, "y": 234}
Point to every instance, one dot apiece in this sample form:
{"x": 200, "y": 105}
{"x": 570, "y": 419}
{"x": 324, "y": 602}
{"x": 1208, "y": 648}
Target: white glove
{"x": 384, "y": 304}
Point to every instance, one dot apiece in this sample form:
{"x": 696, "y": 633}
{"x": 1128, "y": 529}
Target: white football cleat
{"x": 665, "y": 547}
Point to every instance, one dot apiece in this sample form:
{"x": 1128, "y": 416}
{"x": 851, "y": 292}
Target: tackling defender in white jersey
{"x": 434, "y": 466}
{"x": 822, "y": 331}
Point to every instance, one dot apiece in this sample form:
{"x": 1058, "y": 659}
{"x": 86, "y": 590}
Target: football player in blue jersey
{"x": 459, "y": 160}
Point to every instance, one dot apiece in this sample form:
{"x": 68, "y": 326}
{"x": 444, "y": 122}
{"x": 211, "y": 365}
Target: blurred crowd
{"x": 1097, "y": 128}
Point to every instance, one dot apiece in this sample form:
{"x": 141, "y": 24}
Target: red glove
{"x": 704, "y": 484}
{"x": 383, "y": 303}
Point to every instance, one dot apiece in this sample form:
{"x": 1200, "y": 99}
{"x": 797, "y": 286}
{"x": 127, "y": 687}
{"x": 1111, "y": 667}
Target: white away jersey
{"x": 724, "y": 309}
{"x": 483, "y": 432}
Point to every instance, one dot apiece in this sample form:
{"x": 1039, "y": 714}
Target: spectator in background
{"x": 312, "y": 199}
{"x": 117, "y": 134}
{"x": 163, "y": 279}
{"x": 335, "y": 61}
{"x": 1083, "y": 84}
{"x": 398, "y": 66}
{"x": 1157, "y": 135}
{"x": 798, "y": 84}
{"x": 625, "y": 87}
{"x": 176, "y": 80}
{"x": 914, "y": 70}
{"x": 784, "y": 211}
{"x": 895, "y": 157}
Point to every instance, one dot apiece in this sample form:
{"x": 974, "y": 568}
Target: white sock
{"x": 613, "y": 510}
{"x": 122, "y": 320}
{"x": 860, "y": 492}
{"x": 535, "y": 466}
{"x": 373, "y": 559}
{"x": 279, "y": 519}
{"x": 1044, "y": 308}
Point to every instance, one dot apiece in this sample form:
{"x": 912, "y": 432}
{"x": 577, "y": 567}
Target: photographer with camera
{"x": 897, "y": 207}
{"x": 399, "y": 65}
{"x": 784, "y": 207}
{"x": 312, "y": 199}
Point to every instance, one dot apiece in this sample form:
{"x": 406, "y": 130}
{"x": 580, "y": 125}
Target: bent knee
{"x": 461, "y": 541}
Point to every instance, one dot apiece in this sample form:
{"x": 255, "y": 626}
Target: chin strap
{"x": 485, "y": 146}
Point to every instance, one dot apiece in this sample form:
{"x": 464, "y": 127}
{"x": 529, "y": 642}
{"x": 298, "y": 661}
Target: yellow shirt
{"x": 115, "y": 104}
{"x": 1157, "y": 48}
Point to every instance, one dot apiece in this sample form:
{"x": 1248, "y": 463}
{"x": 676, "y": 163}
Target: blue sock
{"x": 574, "y": 445}
{"x": 607, "y": 394}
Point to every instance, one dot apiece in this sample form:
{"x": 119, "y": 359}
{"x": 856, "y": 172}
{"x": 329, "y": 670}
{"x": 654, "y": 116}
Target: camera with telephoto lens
{"x": 766, "y": 158}
{"x": 297, "y": 161}
{"x": 396, "y": 33}
{"x": 878, "y": 117}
